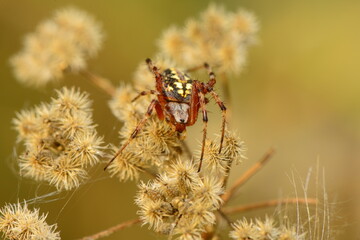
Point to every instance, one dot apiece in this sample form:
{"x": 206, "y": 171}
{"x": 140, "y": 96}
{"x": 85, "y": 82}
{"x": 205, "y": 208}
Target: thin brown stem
{"x": 225, "y": 217}
{"x": 103, "y": 83}
{"x": 247, "y": 175}
{"x": 270, "y": 203}
{"x": 111, "y": 230}
{"x": 148, "y": 172}
{"x": 227, "y": 173}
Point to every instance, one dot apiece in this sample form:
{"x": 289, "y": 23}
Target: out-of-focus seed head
{"x": 219, "y": 38}
{"x": 61, "y": 140}
{"x": 20, "y": 223}
{"x": 62, "y": 43}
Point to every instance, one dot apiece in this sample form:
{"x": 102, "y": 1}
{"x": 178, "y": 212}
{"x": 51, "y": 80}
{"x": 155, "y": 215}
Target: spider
{"x": 179, "y": 99}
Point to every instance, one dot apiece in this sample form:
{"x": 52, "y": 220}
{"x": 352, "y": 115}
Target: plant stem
{"x": 270, "y": 203}
{"x": 111, "y": 230}
{"x": 247, "y": 175}
{"x": 103, "y": 83}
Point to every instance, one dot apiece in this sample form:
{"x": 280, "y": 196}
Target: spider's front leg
{"x": 198, "y": 89}
{"x": 154, "y": 104}
{"x": 144, "y": 93}
{"x": 209, "y": 88}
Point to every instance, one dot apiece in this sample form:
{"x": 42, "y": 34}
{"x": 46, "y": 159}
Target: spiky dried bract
{"x": 60, "y": 140}
{"x": 263, "y": 230}
{"x": 179, "y": 202}
{"x": 219, "y": 37}
{"x": 233, "y": 149}
{"x": 61, "y": 43}
{"x": 20, "y": 223}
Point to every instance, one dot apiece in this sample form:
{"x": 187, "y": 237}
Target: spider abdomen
{"x": 177, "y": 86}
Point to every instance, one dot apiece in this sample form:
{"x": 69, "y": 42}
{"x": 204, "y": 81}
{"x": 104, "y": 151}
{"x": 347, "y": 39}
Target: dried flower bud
{"x": 20, "y": 223}
{"x": 61, "y": 43}
{"x": 61, "y": 140}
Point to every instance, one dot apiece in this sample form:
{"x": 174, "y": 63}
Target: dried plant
{"x": 60, "y": 140}
{"x": 20, "y": 223}
{"x": 178, "y": 201}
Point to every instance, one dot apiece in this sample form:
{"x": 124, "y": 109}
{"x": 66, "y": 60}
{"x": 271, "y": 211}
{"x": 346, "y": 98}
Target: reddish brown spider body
{"x": 179, "y": 99}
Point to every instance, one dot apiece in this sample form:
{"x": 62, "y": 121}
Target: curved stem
{"x": 247, "y": 175}
{"x": 103, "y": 83}
{"x": 270, "y": 203}
{"x": 111, "y": 230}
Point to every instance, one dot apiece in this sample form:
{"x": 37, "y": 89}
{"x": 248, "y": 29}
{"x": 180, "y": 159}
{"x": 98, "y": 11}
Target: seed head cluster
{"x": 20, "y": 223}
{"x": 179, "y": 202}
{"x": 263, "y": 230}
{"x": 60, "y": 140}
{"x": 61, "y": 43}
{"x": 219, "y": 38}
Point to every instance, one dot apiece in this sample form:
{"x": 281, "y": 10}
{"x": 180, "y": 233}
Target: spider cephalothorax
{"x": 179, "y": 99}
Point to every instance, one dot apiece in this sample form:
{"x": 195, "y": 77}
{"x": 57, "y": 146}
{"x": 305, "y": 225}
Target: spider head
{"x": 180, "y": 111}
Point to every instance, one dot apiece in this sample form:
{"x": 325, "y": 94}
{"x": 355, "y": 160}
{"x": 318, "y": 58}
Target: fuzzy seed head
{"x": 61, "y": 140}
{"x": 62, "y": 43}
{"x": 179, "y": 202}
{"x": 20, "y": 223}
{"x": 219, "y": 38}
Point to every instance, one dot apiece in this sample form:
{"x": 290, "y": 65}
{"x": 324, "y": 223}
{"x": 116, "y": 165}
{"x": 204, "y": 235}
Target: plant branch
{"x": 103, "y": 83}
{"x": 111, "y": 230}
{"x": 247, "y": 175}
{"x": 270, "y": 203}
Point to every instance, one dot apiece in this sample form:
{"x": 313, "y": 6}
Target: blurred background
{"x": 298, "y": 93}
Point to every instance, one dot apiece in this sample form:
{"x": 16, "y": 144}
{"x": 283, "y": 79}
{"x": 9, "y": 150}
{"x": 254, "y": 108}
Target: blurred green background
{"x": 299, "y": 93}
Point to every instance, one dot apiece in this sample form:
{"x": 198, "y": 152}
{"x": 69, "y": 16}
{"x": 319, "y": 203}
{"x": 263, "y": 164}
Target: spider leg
{"x": 209, "y": 88}
{"x": 223, "y": 111}
{"x": 144, "y": 93}
{"x": 205, "y": 120}
{"x": 138, "y": 128}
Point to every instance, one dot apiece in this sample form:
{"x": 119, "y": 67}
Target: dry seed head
{"x": 264, "y": 230}
{"x": 126, "y": 166}
{"x": 267, "y": 229}
{"x": 233, "y": 149}
{"x": 244, "y": 230}
{"x": 65, "y": 141}
{"x": 61, "y": 43}
{"x": 179, "y": 203}
{"x": 20, "y": 223}
{"x": 219, "y": 37}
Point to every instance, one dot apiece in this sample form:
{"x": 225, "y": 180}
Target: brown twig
{"x": 111, "y": 230}
{"x": 103, "y": 83}
{"x": 247, "y": 175}
{"x": 227, "y": 173}
{"x": 270, "y": 203}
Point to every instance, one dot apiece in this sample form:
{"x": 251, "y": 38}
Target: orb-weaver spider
{"x": 179, "y": 99}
